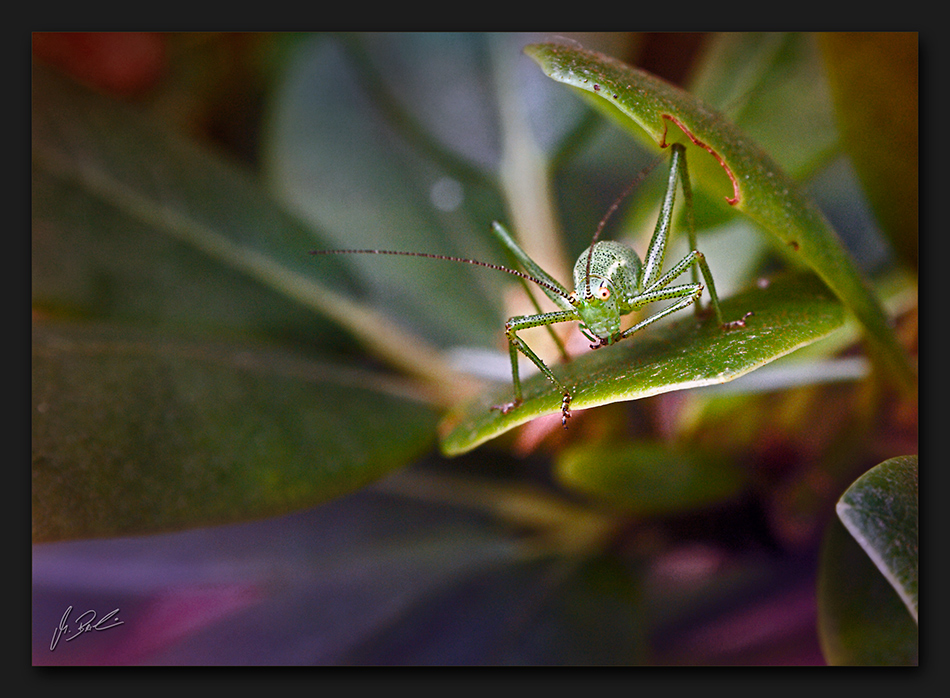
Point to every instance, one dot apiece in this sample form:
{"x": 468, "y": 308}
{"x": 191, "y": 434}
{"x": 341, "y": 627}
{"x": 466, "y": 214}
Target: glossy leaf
{"x": 791, "y": 312}
{"x": 137, "y": 432}
{"x": 880, "y": 511}
{"x": 756, "y": 185}
{"x": 861, "y": 620}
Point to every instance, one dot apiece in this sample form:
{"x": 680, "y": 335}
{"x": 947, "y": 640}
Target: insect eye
{"x": 603, "y": 293}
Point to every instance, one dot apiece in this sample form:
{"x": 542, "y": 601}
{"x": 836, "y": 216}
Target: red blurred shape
{"x": 126, "y": 63}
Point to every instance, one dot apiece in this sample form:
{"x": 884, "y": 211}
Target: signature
{"x": 84, "y": 623}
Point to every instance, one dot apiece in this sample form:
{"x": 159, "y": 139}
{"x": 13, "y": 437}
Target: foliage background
{"x": 505, "y": 555}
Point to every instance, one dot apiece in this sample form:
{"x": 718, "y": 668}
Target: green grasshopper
{"x": 610, "y": 282}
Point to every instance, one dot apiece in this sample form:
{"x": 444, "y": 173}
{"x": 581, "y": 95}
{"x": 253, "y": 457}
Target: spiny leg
{"x": 714, "y": 297}
{"x": 692, "y": 260}
{"x": 555, "y": 337}
{"x": 516, "y": 344}
{"x": 532, "y": 268}
{"x": 687, "y": 294}
{"x": 657, "y": 249}
{"x": 653, "y": 261}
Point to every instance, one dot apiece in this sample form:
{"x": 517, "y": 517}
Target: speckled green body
{"x": 616, "y": 268}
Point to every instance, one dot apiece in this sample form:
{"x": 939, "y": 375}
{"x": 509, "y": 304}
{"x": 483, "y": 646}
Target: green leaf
{"x": 789, "y": 313}
{"x": 650, "y": 479}
{"x": 756, "y": 185}
{"x": 861, "y": 621}
{"x": 880, "y": 511}
{"x": 348, "y": 143}
{"x": 137, "y": 432}
{"x": 133, "y": 222}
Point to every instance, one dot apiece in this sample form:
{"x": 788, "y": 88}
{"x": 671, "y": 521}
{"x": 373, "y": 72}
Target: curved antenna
{"x": 447, "y": 258}
{"x": 610, "y": 211}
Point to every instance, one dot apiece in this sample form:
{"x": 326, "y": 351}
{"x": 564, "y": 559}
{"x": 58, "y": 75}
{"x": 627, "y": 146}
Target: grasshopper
{"x": 610, "y": 281}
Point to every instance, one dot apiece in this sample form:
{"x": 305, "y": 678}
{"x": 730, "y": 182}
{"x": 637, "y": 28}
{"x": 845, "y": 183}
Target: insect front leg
{"x": 688, "y": 294}
{"x": 516, "y": 344}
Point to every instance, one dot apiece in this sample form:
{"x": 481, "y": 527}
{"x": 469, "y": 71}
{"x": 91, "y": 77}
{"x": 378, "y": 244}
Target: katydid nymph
{"x": 610, "y": 282}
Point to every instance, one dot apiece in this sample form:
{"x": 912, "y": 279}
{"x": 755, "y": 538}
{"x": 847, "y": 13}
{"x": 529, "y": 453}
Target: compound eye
{"x": 603, "y": 293}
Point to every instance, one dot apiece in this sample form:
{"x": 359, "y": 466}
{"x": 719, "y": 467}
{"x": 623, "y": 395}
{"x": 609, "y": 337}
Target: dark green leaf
{"x": 791, "y": 312}
{"x": 133, "y": 223}
{"x": 222, "y": 241}
{"x": 650, "y": 479}
{"x": 880, "y": 511}
{"x": 138, "y": 433}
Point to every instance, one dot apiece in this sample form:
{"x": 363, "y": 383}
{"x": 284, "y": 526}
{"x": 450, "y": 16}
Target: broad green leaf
{"x": 880, "y": 511}
{"x": 348, "y": 143}
{"x": 96, "y": 261}
{"x": 134, "y": 222}
{"x": 136, "y": 432}
{"x": 789, "y": 313}
{"x": 650, "y": 479}
{"x": 756, "y": 185}
{"x": 861, "y": 620}
{"x": 874, "y": 80}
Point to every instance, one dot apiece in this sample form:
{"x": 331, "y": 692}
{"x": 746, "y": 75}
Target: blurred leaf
{"x": 880, "y": 511}
{"x": 772, "y": 86}
{"x": 861, "y": 620}
{"x": 349, "y": 144}
{"x": 136, "y": 432}
{"x": 759, "y": 187}
{"x": 875, "y": 86}
{"x": 228, "y": 246}
{"x": 650, "y": 479}
{"x": 791, "y": 312}
{"x": 131, "y": 222}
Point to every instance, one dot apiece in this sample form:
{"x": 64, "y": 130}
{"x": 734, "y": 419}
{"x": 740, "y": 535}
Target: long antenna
{"x": 447, "y": 258}
{"x": 610, "y": 211}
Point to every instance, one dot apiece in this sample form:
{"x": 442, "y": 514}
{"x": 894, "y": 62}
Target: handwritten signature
{"x": 86, "y": 622}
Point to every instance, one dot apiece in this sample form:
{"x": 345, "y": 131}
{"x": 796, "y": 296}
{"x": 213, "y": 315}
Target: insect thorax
{"x": 613, "y": 261}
